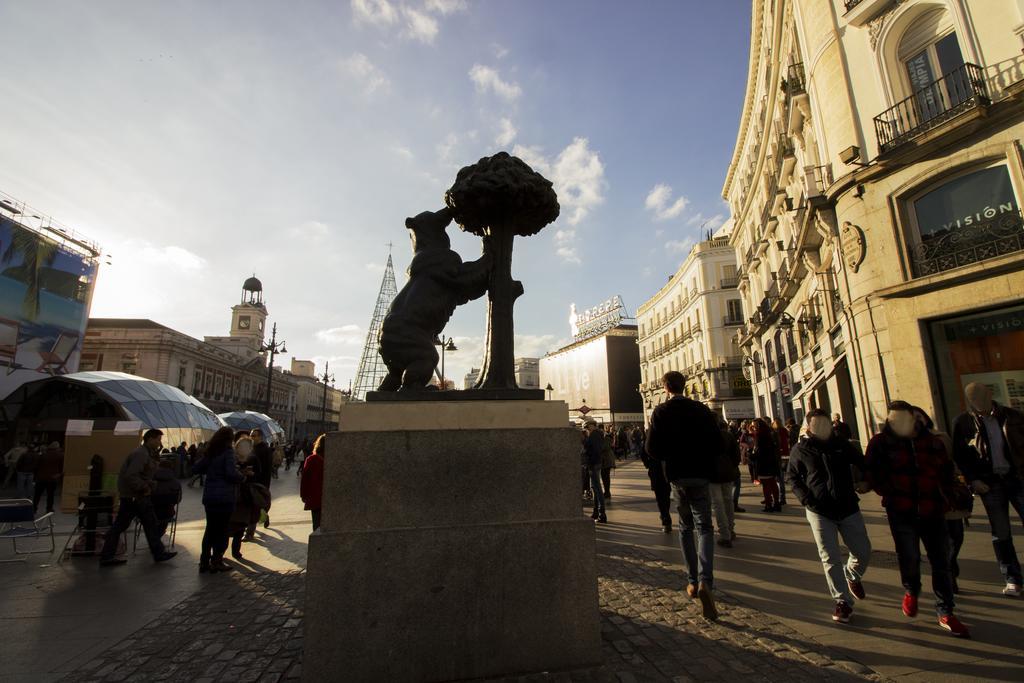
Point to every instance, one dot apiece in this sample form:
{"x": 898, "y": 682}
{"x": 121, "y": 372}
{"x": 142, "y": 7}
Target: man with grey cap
{"x": 988, "y": 447}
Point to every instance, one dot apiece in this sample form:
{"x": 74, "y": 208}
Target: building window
{"x": 735, "y": 310}
{"x": 985, "y": 347}
{"x": 973, "y": 217}
{"x": 925, "y": 68}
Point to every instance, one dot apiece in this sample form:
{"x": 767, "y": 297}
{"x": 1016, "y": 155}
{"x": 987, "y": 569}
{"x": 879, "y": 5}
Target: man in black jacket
{"x": 684, "y": 437}
{"x": 988, "y": 447}
{"x": 593, "y": 448}
{"x": 723, "y": 480}
{"x": 820, "y": 474}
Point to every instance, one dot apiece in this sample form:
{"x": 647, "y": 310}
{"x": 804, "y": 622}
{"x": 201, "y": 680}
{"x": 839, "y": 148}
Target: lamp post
{"x": 446, "y": 344}
{"x": 549, "y": 389}
{"x": 274, "y": 347}
{"x": 325, "y": 378}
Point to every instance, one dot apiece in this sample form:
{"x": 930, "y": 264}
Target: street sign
{"x": 583, "y": 409}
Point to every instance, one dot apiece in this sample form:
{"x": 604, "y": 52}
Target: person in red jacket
{"x": 311, "y": 486}
{"x": 911, "y": 469}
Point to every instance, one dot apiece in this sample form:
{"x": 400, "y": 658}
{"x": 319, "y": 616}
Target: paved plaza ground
{"x": 142, "y": 621}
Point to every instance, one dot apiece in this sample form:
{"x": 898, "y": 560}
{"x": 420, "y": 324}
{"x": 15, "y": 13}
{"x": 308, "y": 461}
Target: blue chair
{"x": 18, "y": 521}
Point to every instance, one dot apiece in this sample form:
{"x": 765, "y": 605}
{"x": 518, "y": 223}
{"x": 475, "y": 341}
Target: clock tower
{"x": 249, "y": 318}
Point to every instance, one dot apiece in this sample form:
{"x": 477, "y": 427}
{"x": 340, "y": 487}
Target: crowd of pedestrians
{"x": 927, "y": 481}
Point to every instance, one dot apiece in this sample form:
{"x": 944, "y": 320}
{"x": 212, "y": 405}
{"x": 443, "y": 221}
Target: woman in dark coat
{"x": 219, "y": 496}
{"x": 767, "y": 464}
{"x": 245, "y": 513}
{"x": 311, "y": 486}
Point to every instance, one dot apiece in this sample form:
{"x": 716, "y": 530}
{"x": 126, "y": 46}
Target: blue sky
{"x": 201, "y": 142}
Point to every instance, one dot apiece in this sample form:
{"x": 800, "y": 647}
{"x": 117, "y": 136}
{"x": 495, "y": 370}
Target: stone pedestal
{"x": 452, "y": 545}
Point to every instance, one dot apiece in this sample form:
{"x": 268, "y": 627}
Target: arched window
{"x": 769, "y": 357}
{"x": 961, "y": 220}
{"x": 757, "y": 366}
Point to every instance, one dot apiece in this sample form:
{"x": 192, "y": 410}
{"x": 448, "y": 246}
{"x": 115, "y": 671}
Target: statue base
{"x": 452, "y": 546}
{"x": 458, "y": 395}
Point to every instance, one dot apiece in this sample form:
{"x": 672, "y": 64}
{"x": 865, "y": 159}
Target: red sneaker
{"x": 857, "y": 588}
{"x": 910, "y": 605}
{"x": 842, "y": 612}
{"x": 954, "y": 626}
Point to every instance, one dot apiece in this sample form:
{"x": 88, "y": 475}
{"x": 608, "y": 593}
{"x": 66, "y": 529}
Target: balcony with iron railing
{"x": 850, "y": 4}
{"x": 960, "y": 90}
{"x": 795, "y": 82}
{"x": 730, "y": 282}
{"x": 731, "y": 320}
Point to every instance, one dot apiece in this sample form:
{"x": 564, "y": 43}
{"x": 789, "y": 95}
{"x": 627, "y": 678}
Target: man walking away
{"x": 988, "y": 446}
{"x": 685, "y": 438}
{"x": 821, "y": 475}
{"x": 723, "y": 481}
{"x": 265, "y": 456}
{"x": 593, "y": 448}
{"x": 135, "y": 484}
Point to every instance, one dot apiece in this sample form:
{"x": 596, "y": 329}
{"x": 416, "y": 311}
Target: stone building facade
{"x": 690, "y": 326}
{"x": 875, "y": 187}
{"x": 317, "y": 405}
{"x": 225, "y": 373}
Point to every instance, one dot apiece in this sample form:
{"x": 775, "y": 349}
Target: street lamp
{"x": 549, "y": 389}
{"x": 325, "y": 378}
{"x": 446, "y": 344}
{"x": 274, "y": 347}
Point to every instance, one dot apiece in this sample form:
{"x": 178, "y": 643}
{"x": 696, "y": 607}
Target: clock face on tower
{"x": 243, "y": 322}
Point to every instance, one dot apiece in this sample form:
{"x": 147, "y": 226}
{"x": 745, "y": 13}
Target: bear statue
{"x": 438, "y": 282}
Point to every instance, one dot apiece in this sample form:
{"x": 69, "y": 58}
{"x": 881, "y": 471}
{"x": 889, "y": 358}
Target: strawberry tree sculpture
{"x": 498, "y": 198}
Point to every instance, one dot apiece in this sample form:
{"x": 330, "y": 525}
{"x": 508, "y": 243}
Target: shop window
{"x": 973, "y": 217}
{"x": 986, "y": 347}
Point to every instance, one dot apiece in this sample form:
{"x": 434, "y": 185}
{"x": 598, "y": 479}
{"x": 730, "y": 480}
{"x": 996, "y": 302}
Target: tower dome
{"x": 252, "y": 285}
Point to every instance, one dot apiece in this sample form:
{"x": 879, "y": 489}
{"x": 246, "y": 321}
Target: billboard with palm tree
{"x": 45, "y": 291}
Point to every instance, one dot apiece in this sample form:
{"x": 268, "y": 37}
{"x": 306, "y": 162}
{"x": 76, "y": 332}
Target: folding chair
{"x": 17, "y": 511}
{"x": 89, "y": 533}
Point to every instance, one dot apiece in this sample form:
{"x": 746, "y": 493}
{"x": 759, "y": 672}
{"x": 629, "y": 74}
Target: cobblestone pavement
{"x": 249, "y": 628}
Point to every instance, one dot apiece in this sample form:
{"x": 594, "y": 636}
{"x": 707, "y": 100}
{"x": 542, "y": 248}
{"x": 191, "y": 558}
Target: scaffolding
{"x": 371, "y": 366}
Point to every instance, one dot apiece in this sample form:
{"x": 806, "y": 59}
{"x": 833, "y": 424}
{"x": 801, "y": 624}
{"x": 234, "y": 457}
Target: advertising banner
{"x": 45, "y": 292}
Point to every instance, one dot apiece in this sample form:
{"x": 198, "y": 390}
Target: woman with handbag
{"x": 219, "y": 496}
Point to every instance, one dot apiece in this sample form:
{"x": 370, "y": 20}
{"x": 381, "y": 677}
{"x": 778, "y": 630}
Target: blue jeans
{"x": 1002, "y": 493}
{"x": 826, "y": 536}
{"x": 693, "y": 502}
{"x": 595, "y": 484}
{"x": 908, "y": 533}
{"x": 736, "y": 492}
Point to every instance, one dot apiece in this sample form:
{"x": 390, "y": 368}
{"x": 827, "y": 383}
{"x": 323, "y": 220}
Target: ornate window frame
{"x": 906, "y": 231}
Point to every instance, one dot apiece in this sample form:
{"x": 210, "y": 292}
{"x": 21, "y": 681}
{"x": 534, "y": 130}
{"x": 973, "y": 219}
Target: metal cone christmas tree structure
{"x": 371, "y": 366}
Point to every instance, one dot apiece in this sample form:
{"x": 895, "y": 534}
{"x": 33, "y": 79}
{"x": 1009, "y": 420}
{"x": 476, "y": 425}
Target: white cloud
{"x": 500, "y": 51}
{"x": 486, "y": 78}
{"x": 360, "y": 69}
{"x": 446, "y": 148}
{"x": 309, "y": 230}
{"x": 349, "y": 335}
{"x": 506, "y": 134}
{"x": 658, "y": 202}
{"x": 375, "y": 267}
{"x": 712, "y": 223}
{"x": 679, "y": 246}
{"x": 403, "y": 152}
{"x": 578, "y": 177}
{"x": 175, "y": 258}
{"x": 420, "y": 25}
{"x": 445, "y": 6}
{"x": 377, "y": 12}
